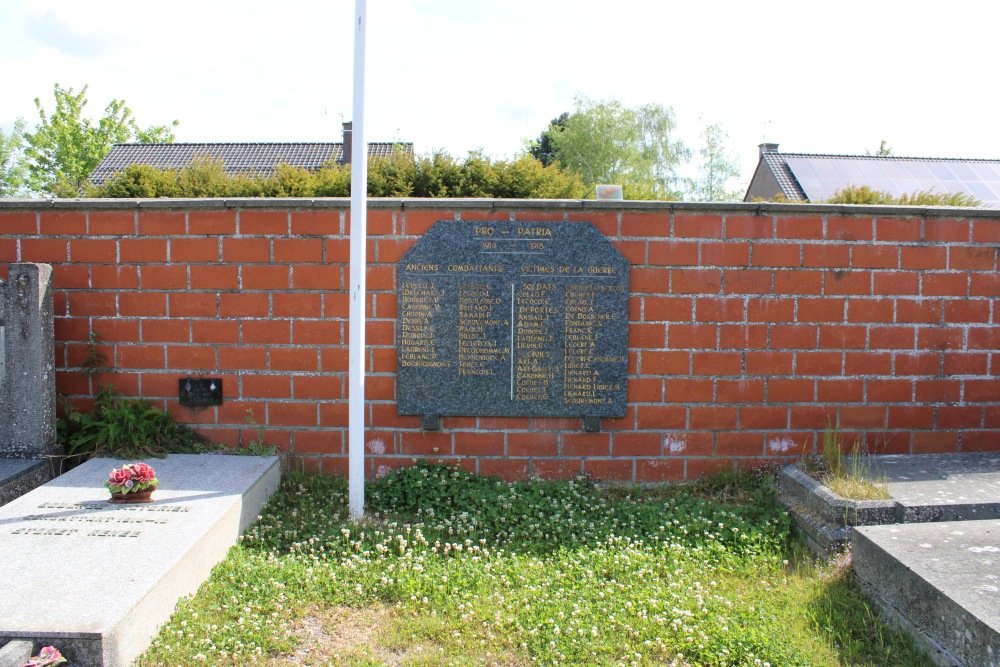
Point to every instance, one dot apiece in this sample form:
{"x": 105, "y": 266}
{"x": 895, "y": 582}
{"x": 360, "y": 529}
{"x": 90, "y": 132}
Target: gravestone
{"x": 96, "y": 579}
{"x": 27, "y": 379}
{"x": 513, "y": 319}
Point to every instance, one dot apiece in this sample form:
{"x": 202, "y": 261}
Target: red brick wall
{"x": 751, "y": 326}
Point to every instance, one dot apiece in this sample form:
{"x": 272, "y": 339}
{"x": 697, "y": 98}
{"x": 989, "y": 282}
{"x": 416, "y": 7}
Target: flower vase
{"x": 144, "y": 496}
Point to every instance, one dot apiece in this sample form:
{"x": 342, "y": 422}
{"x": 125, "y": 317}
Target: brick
{"x": 19, "y": 224}
{"x": 634, "y": 252}
{"x": 673, "y": 253}
{"x": 713, "y": 418}
{"x": 298, "y": 250}
{"x": 383, "y": 388}
{"x": 317, "y": 332}
{"x": 725, "y": 254}
{"x": 645, "y": 224}
{"x": 972, "y": 259}
{"x": 645, "y": 335}
{"x": 982, "y": 338}
{"x": 763, "y": 417}
{"x": 192, "y": 304}
{"x": 870, "y": 310}
{"x": 985, "y": 391}
{"x": 849, "y": 229}
{"x": 742, "y": 390}
{"x": 798, "y": 282}
{"x": 923, "y": 257}
{"x": 292, "y": 414}
{"x": 296, "y": 305}
{"x": 770, "y": 310}
{"x": 166, "y": 331}
{"x": 162, "y": 223}
{"x": 142, "y": 304}
{"x": 842, "y": 337}
{"x": 811, "y": 416}
{"x": 334, "y": 359}
{"x": 897, "y": 229}
{"x": 116, "y": 330}
{"x": 719, "y": 310}
{"x": 776, "y": 254}
{"x": 63, "y": 223}
{"x": 890, "y": 391}
{"x": 862, "y": 416}
{"x": 945, "y": 284}
{"x": 946, "y": 230}
{"x": 695, "y": 281}
{"x": 214, "y": 277}
{"x": 317, "y": 277}
{"x": 799, "y": 228}
{"x": 694, "y": 390}
{"x": 142, "y": 356}
{"x": 8, "y": 250}
{"x": 749, "y": 227}
{"x": 44, "y": 250}
{"x": 243, "y": 358}
{"x": 840, "y": 391}
{"x": 791, "y": 337}
{"x": 327, "y": 223}
{"x": 215, "y": 331}
{"x": 667, "y": 308}
{"x": 750, "y": 281}
{"x": 983, "y": 231}
{"x": 505, "y": 469}
{"x": 697, "y": 226}
{"x": 556, "y": 468}
{"x": 965, "y": 363}
{"x": 935, "y": 443}
{"x": 867, "y": 363}
{"x": 910, "y": 417}
{"x": 960, "y": 416}
{"x": 637, "y": 444}
{"x": 585, "y": 444}
{"x": 649, "y": 280}
{"x": 769, "y": 363}
{"x": 93, "y": 250}
{"x": 156, "y": 277}
{"x": 681, "y": 336}
{"x": 742, "y": 336}
{"x": 417, "y": 223}
{"x": 664, "y": 362}
{"x": 266, "y": 386}
{"x": 83, "y": 304}
{"x": 645, "y": 390}
{"x": 717, "y": 363}
{"x": 980, "y": 441}
{"x": 819, "y": 363}
{"x": 243, "y": 304}
{"x": 739, "y": 444}
{"x": 267, "y": 331}
{"x": 697, "y": 468}
{"x": 380, "y": 278}
{"x": 263, "y": 223}
{"x": 609, "y": 470}
{"x": 390, "y": 250}
{"x": 111, "y": 223}
{"x": 790, "y": 391}
{"x": 922, "y": 312}
{"x": 788, "y": 444}
{"x": 479, "y": 444}
{"x": 379, "y": 223}
{"x": 895, "y": 283}
{"x": 917, "y": 363}
{"x": 246, "y": 250}
{"x": 660, "y": 417}
{"x": 113, "y": 276}
{"x": 194, "y": 357}
{"x": 319, "y": 387}
{"x": 939, "y": 339}
{"x": 186, "y": 250}
{"x": 847, "y": 282}
{"x": 142, "y": 251}
{"x": 826, "y": 256}
{"x": 821, "y": 310}
{"x": 659, "y": 470}
{"x": 266, "y": 277}
{"x": 532, "y": 444}
{"x": 984, "y": 284}
{"x": 967, "y": 311}
{"x": 875, "y": 257}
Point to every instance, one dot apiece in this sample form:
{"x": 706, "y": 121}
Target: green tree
{"x": 13, "y": 171}
{"x": 542, "y": 149}
{"x": 606, "y": 142}
{"x": 65, "y": 146}
{"x": 716, "y": 169}
{"x": 884, "y": 150}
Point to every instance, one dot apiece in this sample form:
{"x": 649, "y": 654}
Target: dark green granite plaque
{"x": 513, "y": 319}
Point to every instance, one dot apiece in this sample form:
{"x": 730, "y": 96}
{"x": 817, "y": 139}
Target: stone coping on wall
{"x": 379, "y": 203}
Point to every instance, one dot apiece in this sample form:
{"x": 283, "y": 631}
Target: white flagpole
{"x": 359, "y": 225}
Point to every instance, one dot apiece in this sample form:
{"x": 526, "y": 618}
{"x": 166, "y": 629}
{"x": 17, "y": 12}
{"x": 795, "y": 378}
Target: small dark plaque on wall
{"x": 512, "y": 319}
{"x": 199, "y": 392}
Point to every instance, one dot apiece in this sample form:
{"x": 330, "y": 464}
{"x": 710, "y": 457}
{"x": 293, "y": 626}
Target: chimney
{"x": 764, "y": 148}
{"x": 345, "y": 157}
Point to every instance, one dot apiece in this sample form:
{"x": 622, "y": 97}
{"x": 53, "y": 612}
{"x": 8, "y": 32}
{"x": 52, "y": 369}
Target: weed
{"x": 853, "y": 477}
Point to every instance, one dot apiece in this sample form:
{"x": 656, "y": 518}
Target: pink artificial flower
{"x": 142, "y": 472}
{"x": 119, "y": 477}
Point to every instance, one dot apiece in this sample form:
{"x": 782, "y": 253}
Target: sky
{"x": 459, "y": 75}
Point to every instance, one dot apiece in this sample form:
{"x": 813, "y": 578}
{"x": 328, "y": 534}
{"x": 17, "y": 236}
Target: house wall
{"x": 751, "y": 325}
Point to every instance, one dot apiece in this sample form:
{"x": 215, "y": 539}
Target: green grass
{"x": 457, "y": 570}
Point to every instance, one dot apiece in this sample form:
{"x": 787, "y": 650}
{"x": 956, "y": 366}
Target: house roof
{"x": 255, "y": 159}
{"x": 816, "y": 177}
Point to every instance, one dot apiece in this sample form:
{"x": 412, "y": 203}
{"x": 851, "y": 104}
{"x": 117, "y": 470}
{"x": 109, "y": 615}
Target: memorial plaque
{"x": 199, "y": 392}
{"x": 513, "y": 319}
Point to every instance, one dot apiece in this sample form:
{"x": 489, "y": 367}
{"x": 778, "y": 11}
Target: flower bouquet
{"x": 132, "y": 483}
{"x": 47, "y": 657}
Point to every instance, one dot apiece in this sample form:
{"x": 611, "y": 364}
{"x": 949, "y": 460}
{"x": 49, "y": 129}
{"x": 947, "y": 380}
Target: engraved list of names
{"x": 513, "y": 319}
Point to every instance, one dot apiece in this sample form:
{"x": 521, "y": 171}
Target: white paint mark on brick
{"x": 382, "y": 471}
{"x": 675, "y": 444}
{"x": 376, "y": 446}
{"x": 781, "y": 445}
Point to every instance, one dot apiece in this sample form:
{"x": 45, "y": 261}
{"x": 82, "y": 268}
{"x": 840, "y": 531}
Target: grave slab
{"x": 940, "y": 582}
{"x": 18, "y": 476}
{"x": 96, "y": 579}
